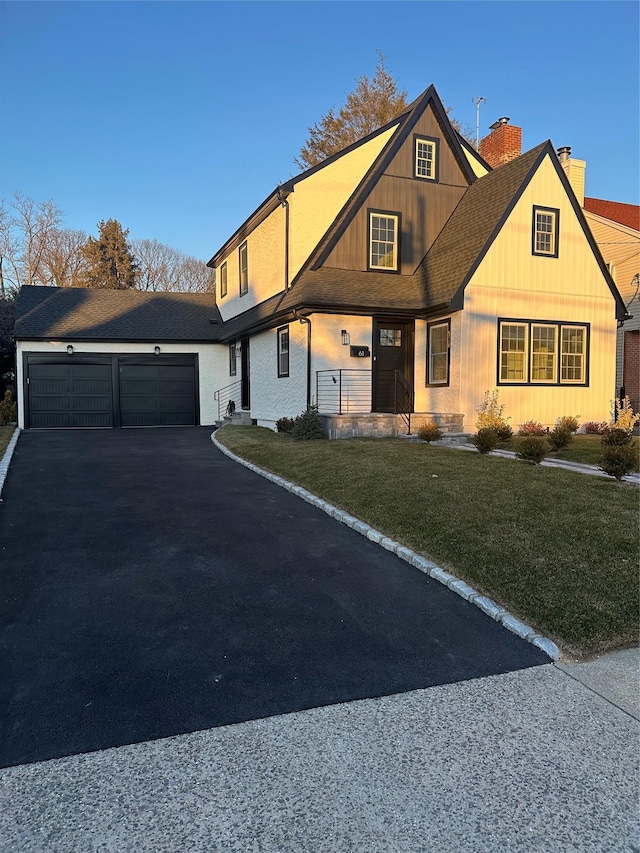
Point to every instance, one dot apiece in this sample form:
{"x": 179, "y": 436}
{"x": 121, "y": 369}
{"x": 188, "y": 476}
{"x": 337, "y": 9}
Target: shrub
{"x": 532, "y": 428}
{"x": 559, "y": 437}
{"x": 617, "y": 460}
{"x": 615, "y": 437}
{"x": 430, "y": 432}
{"x": 569, "y": 422}
{"x": 8, "y": 409}
{"x": 491, "y": 414}
{"x": 486, "y": 440}
{"x": 284, "y": 424}
{"x": 308, "y": 426}
{"x": 595, "y": 428}
{"x": 622, "y": 415}
{"x": 532, "y": 448}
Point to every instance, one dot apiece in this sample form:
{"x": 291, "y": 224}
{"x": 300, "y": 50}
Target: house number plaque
{"x": 360, "y": 352}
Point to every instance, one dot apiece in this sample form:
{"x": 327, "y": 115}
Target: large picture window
{"x": 542, "y": 353}
{"x": 383, "y": 241}
{"x": 546, "y": 222}
{"x": 243, "y": 269}
{"x": 283, "y": 351}
{"x": 438, "y": 336}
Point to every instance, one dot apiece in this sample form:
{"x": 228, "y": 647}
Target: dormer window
{"x": 384, "y": 229}
{"x": 546, "y": 222}
{"x": 425, "y": 160}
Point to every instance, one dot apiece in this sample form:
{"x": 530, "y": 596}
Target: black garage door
{"x": 110, "y": 391}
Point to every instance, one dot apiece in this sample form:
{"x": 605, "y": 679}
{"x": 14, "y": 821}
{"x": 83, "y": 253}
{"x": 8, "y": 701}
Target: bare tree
{"x": 63, "y": 262}
{"x": 163, "y": 268}
{"x": 31, "y": 228}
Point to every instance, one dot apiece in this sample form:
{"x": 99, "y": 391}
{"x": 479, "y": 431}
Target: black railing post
{"x": 340, "y": 392}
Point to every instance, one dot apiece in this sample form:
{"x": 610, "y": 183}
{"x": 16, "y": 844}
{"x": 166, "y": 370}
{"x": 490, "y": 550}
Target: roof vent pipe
{"x": 496, "y": 124}
{"x": 564, "y": 153}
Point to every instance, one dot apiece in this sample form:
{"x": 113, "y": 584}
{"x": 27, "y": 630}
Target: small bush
{"x": 486, "y": 440}
{"x": 617, "y": 460}
{"x": 532, "y": 448}
{"x": 559, "y": 437}
{"x": 308, "y": 426}
{"x": 430, "y": 432}
{"x": 284, "y": 424}
{"x": 622, "y": 415}
{"x": 595, "y": 428}
{"x": 491, "y": 414}
{"x": 614, "y": 437}
{"x": 569, "y": 422}
{"x": 532, "y": 428}
{"x": 8, "y": 409}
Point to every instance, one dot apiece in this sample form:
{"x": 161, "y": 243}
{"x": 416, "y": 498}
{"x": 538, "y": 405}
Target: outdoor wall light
{"x": 156, "y": 350}
{"x": 346, "y": 337}
{"x": 69, "y": 350}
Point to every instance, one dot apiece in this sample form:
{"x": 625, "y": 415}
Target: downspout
{"x": 308, "y": 322}
{"x": 282, "y": 198}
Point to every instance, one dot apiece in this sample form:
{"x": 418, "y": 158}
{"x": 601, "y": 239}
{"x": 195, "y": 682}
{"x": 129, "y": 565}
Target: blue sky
{"x": 179, "y": 118}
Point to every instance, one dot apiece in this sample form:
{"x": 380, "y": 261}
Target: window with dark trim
{"x": 384, "y": 241}
{"x": 243, "y": 268}
{"x": 233, "y": 369}
{"x": 532, "y": 352}
{"x": 283, "y": 351}
{"x": 438, "y": 348}
{"x": 546, "y": 223}
{"x": 223, "y": 280}
{"x": 425, "y": 158}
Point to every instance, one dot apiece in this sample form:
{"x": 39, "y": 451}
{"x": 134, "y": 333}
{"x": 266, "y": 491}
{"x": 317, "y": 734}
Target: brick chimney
{"x": 503, "y": 144}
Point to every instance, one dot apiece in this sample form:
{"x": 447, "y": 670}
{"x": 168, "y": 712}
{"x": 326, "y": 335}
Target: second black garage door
{"x": 110, "y": 390}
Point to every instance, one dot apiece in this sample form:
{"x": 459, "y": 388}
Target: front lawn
{"x": 5, "y": 437}
{"x": 558, "y": 549}
{"x": 582, "y": 448}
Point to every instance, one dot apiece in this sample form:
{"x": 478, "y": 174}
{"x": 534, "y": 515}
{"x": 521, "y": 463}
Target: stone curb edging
{"x": 6, "y": 459}
{"x": 487, "y": 605}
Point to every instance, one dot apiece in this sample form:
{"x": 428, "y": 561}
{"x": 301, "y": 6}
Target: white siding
{"x": 212, "y": 366}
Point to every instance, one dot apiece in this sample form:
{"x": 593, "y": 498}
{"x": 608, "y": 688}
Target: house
{"x": 405, "y": 273}
{"x": 393, "y": 283}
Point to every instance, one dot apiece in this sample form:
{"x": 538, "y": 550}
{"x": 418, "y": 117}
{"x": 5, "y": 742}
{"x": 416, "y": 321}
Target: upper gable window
{"x": 425, "y": 158}
{"x": 546, "y": 222}
{"x": 243, "y": 268}
{"x": 223, "y": 280}
{"x": 383, "y": 241}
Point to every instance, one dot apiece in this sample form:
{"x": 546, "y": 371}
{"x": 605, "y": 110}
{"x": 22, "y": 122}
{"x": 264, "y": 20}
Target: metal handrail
{"x": 230, "y": 393}
{"x": 342, "y": 391}
{"x": 404, "y": 398}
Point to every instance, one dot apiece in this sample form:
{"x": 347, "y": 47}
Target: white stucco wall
{"x": 274, "y": 397}
{"x": 212, "y": 366}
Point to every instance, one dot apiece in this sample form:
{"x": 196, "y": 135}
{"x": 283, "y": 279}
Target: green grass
{"x": 558, "y": 549}
{"x": 5, "y": 437}
{"x": 582, "y": 448}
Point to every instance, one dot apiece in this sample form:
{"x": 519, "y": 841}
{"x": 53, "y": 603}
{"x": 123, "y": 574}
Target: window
{"x": 390, "y": 337}
{"x": 283, "y": 351}
{"x": 438, "y": 337}
{"x": 383, "y": 241}
{"x": 223, "y": 280}
{"x": 542, "y": 353}
{"x": 545, "y": 231}
{"x": 232, "y": 359}
{"x": 425, "y": 158}
{"x": 243, "y": 269}
{"x": 573, "y": 354}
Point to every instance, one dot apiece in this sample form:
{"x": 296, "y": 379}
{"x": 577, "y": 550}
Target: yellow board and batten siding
{"x": 313, "y": 205}
{"x": 513, "y": 283}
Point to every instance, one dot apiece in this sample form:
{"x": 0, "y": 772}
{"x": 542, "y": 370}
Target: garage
{"x": 109, "y": 390}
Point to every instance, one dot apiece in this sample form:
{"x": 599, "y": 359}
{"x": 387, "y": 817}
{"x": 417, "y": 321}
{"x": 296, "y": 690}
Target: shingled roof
{"x": 617, "y": 211}
{"x": 76, "y": 313}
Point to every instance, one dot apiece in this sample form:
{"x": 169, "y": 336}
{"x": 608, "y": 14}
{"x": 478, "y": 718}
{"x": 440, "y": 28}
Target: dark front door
{"x": 393, "y": 343}
{"x": 246, "y": 383}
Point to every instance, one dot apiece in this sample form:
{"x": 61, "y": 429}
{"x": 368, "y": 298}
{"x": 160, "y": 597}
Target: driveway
{"x": 153, "y": 587}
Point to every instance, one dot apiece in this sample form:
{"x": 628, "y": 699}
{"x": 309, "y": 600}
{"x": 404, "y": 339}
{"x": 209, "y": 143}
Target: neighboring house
{"x": 403, "y": 268}
{"x": 111, "y": 358}
{"x": 399, "y": 276}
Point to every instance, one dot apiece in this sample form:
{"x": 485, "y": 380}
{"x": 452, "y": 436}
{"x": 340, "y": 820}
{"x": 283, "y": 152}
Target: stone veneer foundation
{"x": 374, "y": 425}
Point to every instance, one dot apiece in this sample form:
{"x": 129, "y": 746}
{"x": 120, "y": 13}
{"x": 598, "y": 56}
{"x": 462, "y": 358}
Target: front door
{"x": 246, "y": 382}
{"x": 393, "y": 345}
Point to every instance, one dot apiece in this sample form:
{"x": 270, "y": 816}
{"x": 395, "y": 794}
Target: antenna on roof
{"x": 477, "y": 102}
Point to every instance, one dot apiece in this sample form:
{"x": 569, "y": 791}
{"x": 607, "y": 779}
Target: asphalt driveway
{"x": 150, "y": 586}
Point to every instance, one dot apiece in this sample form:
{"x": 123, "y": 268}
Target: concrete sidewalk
{"x": 531, "y": 760}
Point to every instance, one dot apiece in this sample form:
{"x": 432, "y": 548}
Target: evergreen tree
{"x": 109, "y": 260}
{"x": 370, "y": 105}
